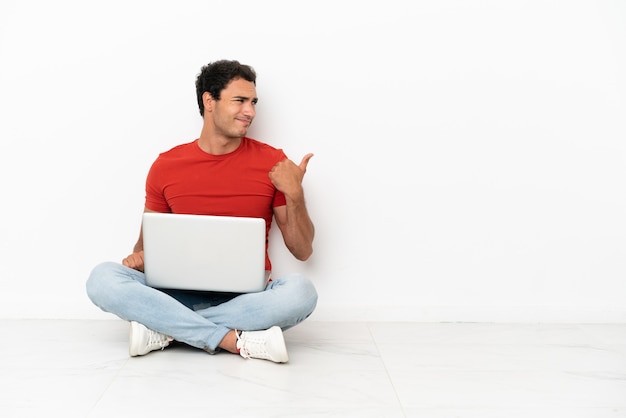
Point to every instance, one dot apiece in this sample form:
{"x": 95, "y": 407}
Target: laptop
{"x": 202, "y": 252}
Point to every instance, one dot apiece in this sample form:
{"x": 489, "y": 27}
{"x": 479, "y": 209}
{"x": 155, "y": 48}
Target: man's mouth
{"x": 246, "y": 122}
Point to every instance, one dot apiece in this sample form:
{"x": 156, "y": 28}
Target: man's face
{"x": 233, "y": 113}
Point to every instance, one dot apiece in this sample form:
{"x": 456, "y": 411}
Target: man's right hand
{"x": 134, "y": 261}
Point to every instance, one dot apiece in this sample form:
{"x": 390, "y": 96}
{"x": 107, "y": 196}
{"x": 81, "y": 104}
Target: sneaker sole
{"x": 281, "y": 348}
{"x": 135, "y": 330}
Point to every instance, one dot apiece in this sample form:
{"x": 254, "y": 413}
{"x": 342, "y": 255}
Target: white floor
{"x": 82, "y": 369}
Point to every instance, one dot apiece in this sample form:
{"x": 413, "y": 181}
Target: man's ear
{"x": 207, "y": 99}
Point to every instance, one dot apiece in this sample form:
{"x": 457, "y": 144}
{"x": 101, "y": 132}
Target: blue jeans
{"x": 199, "y": 319}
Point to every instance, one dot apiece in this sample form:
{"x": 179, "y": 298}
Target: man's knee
{"x": 98, "y": 280}
{"x": 305, "y": 295}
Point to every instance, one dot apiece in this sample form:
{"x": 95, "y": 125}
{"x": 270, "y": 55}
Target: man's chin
{"x": 238, "y": 134}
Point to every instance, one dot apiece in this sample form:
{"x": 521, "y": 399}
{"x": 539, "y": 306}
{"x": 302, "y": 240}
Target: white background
{"x": 469, "y": 155}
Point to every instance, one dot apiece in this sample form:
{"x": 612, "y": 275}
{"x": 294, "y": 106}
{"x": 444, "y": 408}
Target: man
{"x": 222, "y": 173}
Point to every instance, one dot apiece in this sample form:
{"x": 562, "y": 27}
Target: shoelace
{"x": 249, "y": 347}
{"x": 158, "y": 339}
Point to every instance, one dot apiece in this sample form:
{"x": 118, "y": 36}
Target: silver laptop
{"x": 201, "y": 252}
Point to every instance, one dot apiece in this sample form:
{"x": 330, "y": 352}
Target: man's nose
{"x": 249, "y": 110}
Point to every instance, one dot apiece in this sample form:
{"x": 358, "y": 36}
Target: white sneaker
{"x": 144, "y": 340}
{"x": 265, "y": 345}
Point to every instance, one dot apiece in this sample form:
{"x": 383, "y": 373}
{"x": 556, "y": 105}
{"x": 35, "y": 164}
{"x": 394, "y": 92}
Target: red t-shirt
{"x": 186, "y": 179}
